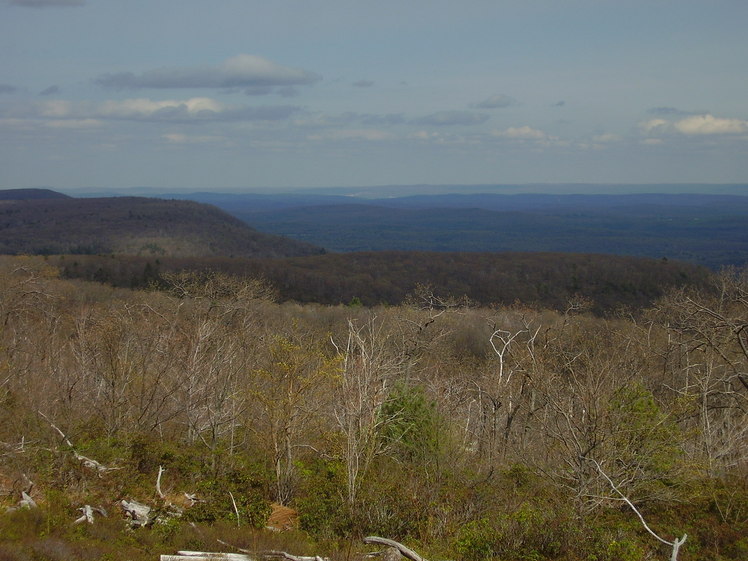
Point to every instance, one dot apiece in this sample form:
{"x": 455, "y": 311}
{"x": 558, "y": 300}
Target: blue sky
{"x": 191, "y": 94}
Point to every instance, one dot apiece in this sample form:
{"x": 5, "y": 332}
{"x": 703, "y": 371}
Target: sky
{"x": 243, "y": 94}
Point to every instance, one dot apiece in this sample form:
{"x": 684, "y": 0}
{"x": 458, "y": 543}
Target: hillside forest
{"x": 466, "y": 431}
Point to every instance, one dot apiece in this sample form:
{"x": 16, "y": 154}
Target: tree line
{"x": 540, "y": 280}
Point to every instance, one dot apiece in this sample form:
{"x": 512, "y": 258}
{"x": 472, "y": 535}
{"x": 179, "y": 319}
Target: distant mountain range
{"x": 704, "y": 228}
{"x": 46, "y": 222}
{"x": 707, "y": 229}
{"x": 131, "y": 241}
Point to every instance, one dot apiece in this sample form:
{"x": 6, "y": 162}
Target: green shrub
{"x": 477, "y": 540}
{"x": 322, "y": 510}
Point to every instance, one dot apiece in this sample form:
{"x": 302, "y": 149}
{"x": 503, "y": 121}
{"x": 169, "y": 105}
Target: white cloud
{"x": 144, "y": 109}
{"x": 521, "y": 133}
{"x": 695, "y": 125}
{"x": 606, "y": 138}
{"x": 135, "y": 108}
{"x": 180, "y": 138}
{"x": 241, "y": 71}
{"x": 653, "y": 125}
{"x": 708, "y": 124}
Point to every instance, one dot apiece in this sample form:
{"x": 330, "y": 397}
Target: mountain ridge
{"x": 136, "y": 226}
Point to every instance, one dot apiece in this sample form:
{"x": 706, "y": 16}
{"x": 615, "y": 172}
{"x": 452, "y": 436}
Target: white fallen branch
{"x": 290, "y": 557}
{"x": 236, "y": 510}
{"x": 192, "y": 497}
{"x": 404, "y": 551}
{"x": 233, "y": 546}
{"x": 86, "y": 462}
{"x": 88, "y": 514}
{"x": 675, "y": 544}
{"x": 206, "y": 555}
{"x": 26, "y": 502}
{"x": 161, "y": 470}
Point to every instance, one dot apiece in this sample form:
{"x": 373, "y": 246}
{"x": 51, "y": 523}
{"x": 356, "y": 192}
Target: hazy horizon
{"x": 374, "y": 191}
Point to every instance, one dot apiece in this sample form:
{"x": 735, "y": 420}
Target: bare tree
{"x": 368, "y": 370}
{"x": 506, "y": 387}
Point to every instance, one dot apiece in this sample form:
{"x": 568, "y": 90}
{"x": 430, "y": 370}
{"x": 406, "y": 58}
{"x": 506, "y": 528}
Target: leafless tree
{"x": 367, "y": 373}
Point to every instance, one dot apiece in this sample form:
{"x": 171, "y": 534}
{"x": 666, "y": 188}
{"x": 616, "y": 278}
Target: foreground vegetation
{"x": 466, "y": 432}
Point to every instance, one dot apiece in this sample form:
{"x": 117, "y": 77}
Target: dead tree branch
{"x": 86, "y": 462}
{"x": 161, "y": 470}
{"x": 675, "y": 544}
{"x": 88, "y": 514}
{"x": 404, "y": 551}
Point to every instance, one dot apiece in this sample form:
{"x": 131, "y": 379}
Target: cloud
{"x": 606, "y": 137}
{"x": 74, "y": 123}
{"x": 285, "y": 91}
{"x": 708, "y": 124}
{"x": 363, "y": 84}
{"x": 179, "y": 138}
{"x": 241, "y": 71}
{"x": 51, "y": 90}
{"x": 559, "y": 103}
{"x": 47, "y": 3}
{"x": 521, "y": 133}
{"x": 146, "y": 108}
{"x": 196, "y": 109}
{"x": 448, "y": 118}
{"x": 7, "y": 89}
{"x": 526, "y": 135}
{"x": 654, "y": 125}
{"x": 495, "y": 102}
{"x": 258, "y": 90}
{"x": 322, "y": 120}
{"x": 353, "y": 134}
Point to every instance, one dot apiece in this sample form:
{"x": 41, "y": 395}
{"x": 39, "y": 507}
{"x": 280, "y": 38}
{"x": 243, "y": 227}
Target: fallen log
{"x": 404, "y": 551}
{"x": 139, "y": 514}
{"x": 26, "y": 502}
{"x": 206, "y": 556}
{"x": 88, "y": 514}
{"x": 292, "y": 557}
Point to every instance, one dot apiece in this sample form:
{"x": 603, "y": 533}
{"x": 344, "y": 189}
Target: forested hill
{"x": 30, "y": 194}
{"x": 708, "y": 229}
{"x": 606, "y": 283}
{"x": 36, "y": 223}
